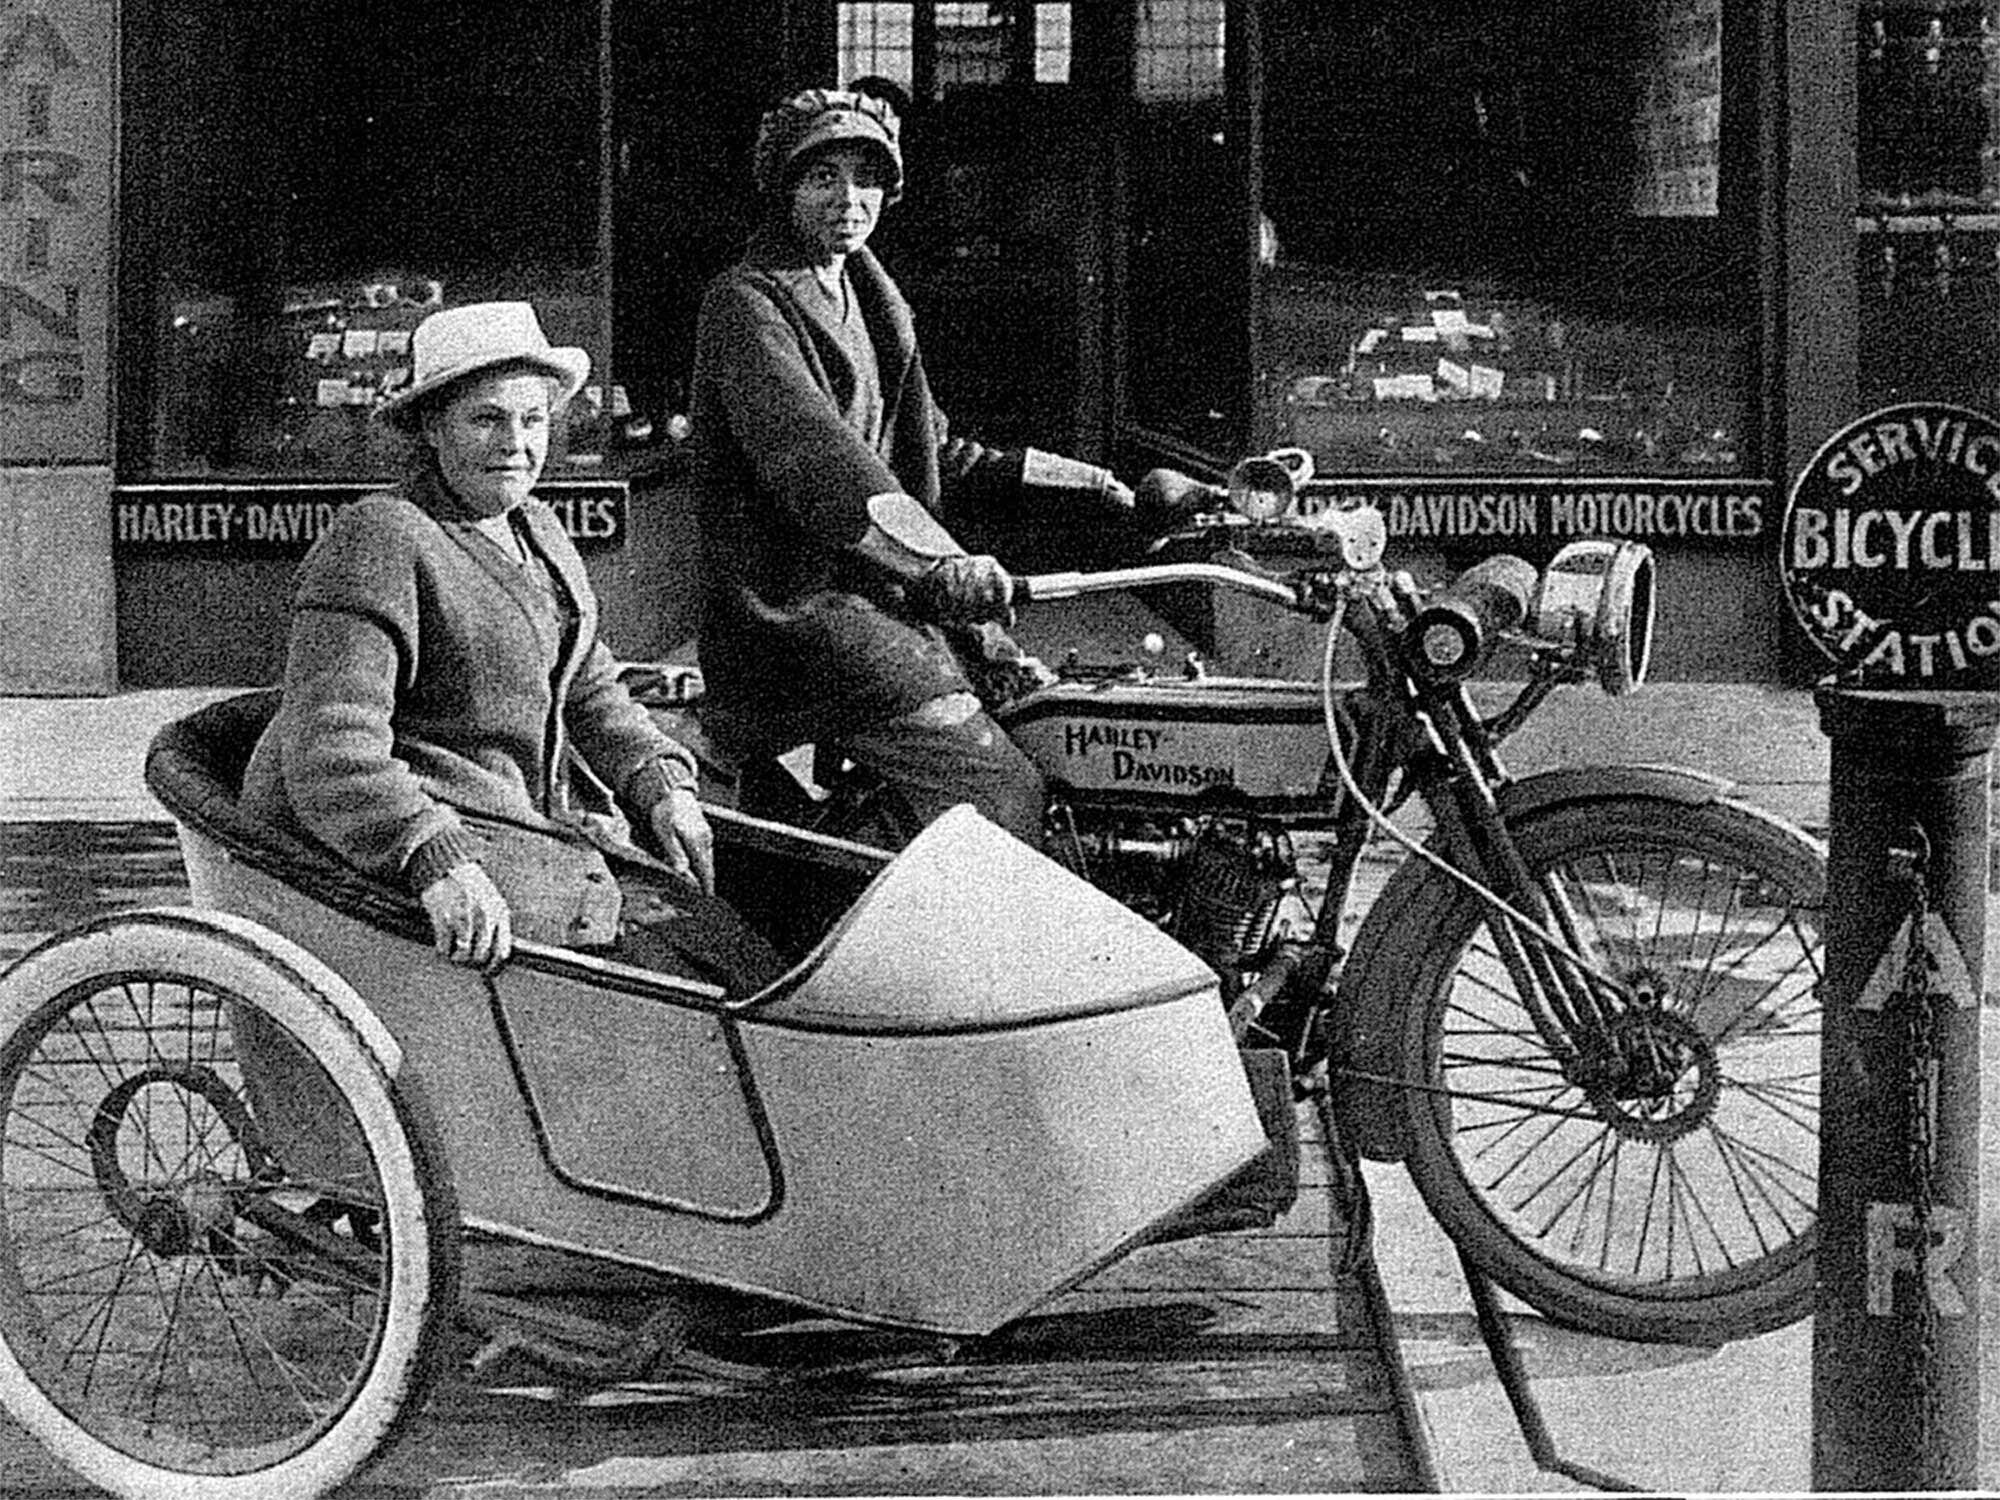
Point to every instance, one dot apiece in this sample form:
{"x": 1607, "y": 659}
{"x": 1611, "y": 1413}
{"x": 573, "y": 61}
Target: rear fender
{"x": 1374, "y": 1004}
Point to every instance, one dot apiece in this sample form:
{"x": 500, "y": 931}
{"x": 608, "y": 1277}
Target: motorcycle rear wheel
{"x": 1679, "y": 1205}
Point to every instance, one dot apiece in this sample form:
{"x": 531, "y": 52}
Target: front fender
{"x": 1373, "y": 1003}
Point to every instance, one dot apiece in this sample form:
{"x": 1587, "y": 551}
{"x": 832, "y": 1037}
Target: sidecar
{"x": 246, "y": 1144}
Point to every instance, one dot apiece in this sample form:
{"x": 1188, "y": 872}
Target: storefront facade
{"x": 1515, "y": 273}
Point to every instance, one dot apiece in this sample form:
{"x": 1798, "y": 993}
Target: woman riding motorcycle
{"x": 840, "y": 606}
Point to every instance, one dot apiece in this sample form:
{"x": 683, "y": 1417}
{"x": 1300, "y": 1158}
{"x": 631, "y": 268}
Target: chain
{"x": 1919, "y": 1001}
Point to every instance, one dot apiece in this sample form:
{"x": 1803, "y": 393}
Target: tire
{"x": 1678, "y": 1209}
{"x": 212, "y": 1286}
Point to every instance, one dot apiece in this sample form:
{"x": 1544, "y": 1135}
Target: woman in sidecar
{"x": 450, "y": 721}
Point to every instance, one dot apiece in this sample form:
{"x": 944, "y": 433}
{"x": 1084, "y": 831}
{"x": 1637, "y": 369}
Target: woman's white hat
{"x": 460, "y": 341}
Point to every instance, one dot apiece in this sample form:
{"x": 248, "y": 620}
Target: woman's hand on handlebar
{"x": 967, "y": 588}
{"x": 470, "y": 922}
{"x": 687, "y": 843}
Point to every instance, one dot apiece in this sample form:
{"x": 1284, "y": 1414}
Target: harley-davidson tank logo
{"x": 1135, "y": 755}
{"x": 1079, "y": 738}
{"x": 1125, "y": 766}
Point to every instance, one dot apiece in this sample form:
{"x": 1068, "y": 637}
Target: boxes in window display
{"x": 343, "y": 348}
{"x": 289, "y": 392}
{"x": 1447, "y": 381}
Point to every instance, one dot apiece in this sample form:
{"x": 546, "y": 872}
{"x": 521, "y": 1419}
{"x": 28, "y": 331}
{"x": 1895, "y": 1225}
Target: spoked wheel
{"x": 1661, "y": 1183}
{"x": 225, "y": 1236}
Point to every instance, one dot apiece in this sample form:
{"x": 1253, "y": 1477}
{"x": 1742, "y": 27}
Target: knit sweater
{"x": 428, "y": 672}
{"x": 801, "y": 639}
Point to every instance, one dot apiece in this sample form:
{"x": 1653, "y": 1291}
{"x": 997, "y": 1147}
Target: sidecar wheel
{"x": 225, "y": 1233}
{"x": 1679, "y": 1203}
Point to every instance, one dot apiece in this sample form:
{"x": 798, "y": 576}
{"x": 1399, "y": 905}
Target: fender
{"x": 1372, "y": 1009}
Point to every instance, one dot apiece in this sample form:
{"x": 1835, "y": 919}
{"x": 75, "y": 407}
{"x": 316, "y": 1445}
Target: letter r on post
{"x": 1889, "y": 1226}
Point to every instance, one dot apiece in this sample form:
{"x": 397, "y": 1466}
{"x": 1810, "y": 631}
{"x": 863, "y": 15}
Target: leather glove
{"x": 967, "y": 589}
{"x": 470, "y": 922}
{"x": 687, "y": 843}
{"x": 1166, "y": 499}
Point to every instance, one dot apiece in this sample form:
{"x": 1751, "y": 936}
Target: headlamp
{"x": 1263, "y": 489}
{"x": 1597, "y": 596}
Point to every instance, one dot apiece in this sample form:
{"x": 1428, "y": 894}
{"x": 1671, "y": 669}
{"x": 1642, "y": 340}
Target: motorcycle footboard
{"x": 1264, "y": 1188}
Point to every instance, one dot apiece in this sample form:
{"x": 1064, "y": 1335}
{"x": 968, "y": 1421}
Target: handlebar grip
{"x": 1450, "y": 634}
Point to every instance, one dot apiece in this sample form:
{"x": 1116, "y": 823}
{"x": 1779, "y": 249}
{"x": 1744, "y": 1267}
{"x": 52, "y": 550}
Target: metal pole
{"x": 1896, "y": 1332}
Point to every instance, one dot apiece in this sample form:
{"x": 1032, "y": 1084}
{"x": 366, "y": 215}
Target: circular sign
{"x": 1891, "y": 548}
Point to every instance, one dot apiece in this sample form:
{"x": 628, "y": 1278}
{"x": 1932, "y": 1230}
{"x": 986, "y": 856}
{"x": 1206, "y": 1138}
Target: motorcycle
{"x": 1584, "y": 1013}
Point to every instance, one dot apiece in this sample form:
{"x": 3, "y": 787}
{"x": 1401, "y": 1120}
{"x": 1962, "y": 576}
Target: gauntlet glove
{"x": 941, "y": 581}
{"x": 964, "y": 589}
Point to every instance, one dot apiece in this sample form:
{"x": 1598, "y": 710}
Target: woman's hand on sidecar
{"x": 470, "y": 920}
{"x": 687, "y": 843}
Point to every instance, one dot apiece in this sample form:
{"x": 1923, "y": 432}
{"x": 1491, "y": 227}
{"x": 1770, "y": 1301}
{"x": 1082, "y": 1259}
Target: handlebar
{"x": 1591, "y": 612}
{"x": 1039, "y": 586}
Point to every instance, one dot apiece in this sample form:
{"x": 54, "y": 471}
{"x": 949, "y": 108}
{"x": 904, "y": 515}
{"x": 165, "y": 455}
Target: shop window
{"x": 1927, "y": 110}
{"x": 283, "y": 240}
{"x": 1510, "y": 238}
{"x": 933, "y": 47}
{"x": 1187, "y": 335}
{"x": 878, "y": 40}
{"x": 1179, "y": 50}
{"x": 1052, "y": 43}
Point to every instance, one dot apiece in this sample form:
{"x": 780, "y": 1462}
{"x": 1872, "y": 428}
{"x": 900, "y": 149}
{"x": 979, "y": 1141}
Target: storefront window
{"x": 932, "y": 47}
{"x": 284, "y": 239}
{"x": 878, "y": 39}
{"x": 1508, "y": 237}
{"x": 1180, "y": 48}
{"x": 1187, "y": 331}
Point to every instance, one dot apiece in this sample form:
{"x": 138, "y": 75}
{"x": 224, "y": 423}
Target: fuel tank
{"x": 1243, "y": 741}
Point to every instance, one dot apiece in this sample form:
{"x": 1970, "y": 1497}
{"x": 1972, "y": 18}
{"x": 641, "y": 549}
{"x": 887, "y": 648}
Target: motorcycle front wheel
{"x": 1669, "y": 1195}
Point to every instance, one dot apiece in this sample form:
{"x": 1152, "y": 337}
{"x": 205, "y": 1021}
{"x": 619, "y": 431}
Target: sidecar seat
{"x": 195, "y": 767}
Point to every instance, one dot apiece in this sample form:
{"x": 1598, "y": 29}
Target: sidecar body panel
{"x": 894, "y": 1132}
{"x": 971, "y": 928}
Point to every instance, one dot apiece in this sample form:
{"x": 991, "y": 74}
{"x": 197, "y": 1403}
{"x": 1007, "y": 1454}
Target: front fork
{"x": 1569, "y": 999}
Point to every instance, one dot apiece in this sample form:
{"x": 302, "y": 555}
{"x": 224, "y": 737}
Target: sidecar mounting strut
{"x": 1513, "y": 1373}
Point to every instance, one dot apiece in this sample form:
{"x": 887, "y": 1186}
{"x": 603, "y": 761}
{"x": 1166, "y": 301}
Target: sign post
{"x": 1891, "y": 561}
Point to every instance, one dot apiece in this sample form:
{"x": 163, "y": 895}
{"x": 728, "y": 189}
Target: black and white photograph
{"x": 998, "y": 748}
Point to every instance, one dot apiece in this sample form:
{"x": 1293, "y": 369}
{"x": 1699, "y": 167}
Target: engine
{"x": 1215, "y": 882}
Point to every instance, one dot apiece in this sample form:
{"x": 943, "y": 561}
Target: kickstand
{"x": 1520, "y": 1393}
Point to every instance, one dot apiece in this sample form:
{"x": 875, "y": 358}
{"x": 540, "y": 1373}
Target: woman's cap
{"x": 459, "y": 341}
{"x": 818, "y": 118}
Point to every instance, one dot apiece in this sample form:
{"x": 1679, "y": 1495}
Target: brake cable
{"x": 1486, "y": 894}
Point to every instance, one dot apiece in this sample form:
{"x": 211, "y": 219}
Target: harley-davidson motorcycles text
{"x": 1732, "y": 514}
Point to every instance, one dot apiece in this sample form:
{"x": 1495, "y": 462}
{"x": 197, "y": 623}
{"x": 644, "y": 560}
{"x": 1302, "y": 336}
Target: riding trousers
{"x": 950, "y": 750}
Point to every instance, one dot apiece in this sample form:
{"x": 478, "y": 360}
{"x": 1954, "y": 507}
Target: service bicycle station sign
{"x": 1891, "y": 549}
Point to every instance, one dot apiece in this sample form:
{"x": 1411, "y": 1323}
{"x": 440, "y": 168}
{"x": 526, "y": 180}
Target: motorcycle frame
{"x": 1433, "y": 733}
